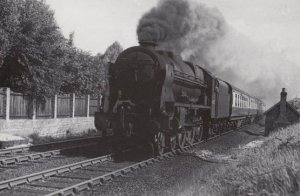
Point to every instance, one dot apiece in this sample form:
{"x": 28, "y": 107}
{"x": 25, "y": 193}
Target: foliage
{"x": 271, "y": 169}
{"x": 32, "y": 62}
{"x": 295, "y": 103}
{"x": 110, "y": 56}
{"x": 8, "y": 26}
{"x": 82, "y": 73}
{"x": 37, "y": 60}
{"x": 112, "y": 52}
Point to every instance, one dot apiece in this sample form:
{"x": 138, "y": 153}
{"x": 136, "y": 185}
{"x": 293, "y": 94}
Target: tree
{"x": 8, "y": 26}
{"x": 32, "y": 62}
{"x": 110, "y": 56}
{"x": 85, "y": 73}
{"x": 112, "y": 52}
{"x": 37, "y": 60}
{"x": 82, "y": 73}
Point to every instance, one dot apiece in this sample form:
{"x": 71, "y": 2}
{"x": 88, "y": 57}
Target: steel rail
{"x": 8, "y": 184}
{"x": 100, "y": 180}
{"x": 36, "y": 156}
{"x": 14, "y": 150}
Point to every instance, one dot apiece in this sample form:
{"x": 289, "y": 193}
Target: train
{"x": 154, "y": 97}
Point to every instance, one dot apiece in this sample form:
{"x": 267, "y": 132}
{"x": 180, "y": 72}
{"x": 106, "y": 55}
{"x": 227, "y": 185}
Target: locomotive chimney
{"x": 282, "y": 115}
{"x": 148, "y": 44}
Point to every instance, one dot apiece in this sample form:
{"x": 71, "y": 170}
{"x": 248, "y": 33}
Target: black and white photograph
{"x": 150, "y": 97}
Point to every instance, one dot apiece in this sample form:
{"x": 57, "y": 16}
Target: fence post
{"x": 55, "y": 107}
{"x": 33, "y": 114}
{"x": 73, "y": 105}
{"x": 7, "y": 103}
{"x": 87, "y": 105}
{"x": 99, "y": 102}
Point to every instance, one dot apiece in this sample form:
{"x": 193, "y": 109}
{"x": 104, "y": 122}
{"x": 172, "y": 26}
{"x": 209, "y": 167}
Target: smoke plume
{"x": 201, "y": 35}
{"x": 177, "y": 24}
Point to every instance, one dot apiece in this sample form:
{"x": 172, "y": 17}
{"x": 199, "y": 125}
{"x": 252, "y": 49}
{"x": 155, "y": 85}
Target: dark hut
{"x": 280, "y": 115}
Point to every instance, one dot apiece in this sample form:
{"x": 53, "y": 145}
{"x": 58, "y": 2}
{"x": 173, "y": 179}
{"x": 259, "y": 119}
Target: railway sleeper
{"x": 117, "y": 174}
{"x": 75, "y": 167}
{"x": 22, "y": 159}
{"x": 126, "y": 170}
{"x": 49, "y": 174}
{"x": 34, "y": 157}
{"x": 106, "y": 178}
{"x": 82, "y": 187}
{"x": 46, "y": 154}
{"x": 34, "y": 178}
{"x": 18, "y": 182}
{"x": 63, "y": 170}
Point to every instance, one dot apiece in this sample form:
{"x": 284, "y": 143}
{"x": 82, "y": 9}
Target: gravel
{"x": 67, "y": 157}
{"x": 167, "y": 177}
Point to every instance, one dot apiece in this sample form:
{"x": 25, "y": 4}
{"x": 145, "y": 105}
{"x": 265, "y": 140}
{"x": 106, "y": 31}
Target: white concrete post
{"x": 55, "y": 107}
{"x": 33, "y": 115}
{"x": 87, "y": 105}
{"x": 73, "y": 104}
{"x": 7, "y": 104}
{"x": 99, "y": 102}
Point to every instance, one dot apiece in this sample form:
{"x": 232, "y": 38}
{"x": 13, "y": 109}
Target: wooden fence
{"x": 45, "y": 109}
{"x": 64, "y": 107}
{"x": 94, "y": 105}
{"x": 2, "y": 103}
{"x": 81, "y": 106}
{"x": 20, "y": 106}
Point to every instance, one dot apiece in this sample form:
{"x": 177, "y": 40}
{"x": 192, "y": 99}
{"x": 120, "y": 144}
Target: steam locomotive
{"x": 156, "y": 98}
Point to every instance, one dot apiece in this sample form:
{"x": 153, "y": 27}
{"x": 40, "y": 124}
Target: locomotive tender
{"x": 155, "y": 97}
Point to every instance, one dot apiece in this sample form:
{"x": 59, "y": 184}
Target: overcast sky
{"x": 275, "y": 24}
{"x": 97, "y": 23}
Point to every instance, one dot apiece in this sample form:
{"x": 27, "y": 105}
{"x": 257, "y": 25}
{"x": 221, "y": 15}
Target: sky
{"x": 99, "y": 23}
{"x": 272, "y": 24}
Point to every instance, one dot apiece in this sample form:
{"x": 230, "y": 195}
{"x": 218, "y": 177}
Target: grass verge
{"x": 271, "y": 169}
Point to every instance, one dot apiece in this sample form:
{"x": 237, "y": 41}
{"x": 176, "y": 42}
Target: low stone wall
{"x": 47, "y": 127}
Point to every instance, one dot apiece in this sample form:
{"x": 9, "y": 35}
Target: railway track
{"x": 20, "y": 155}
{"x": 15, "y": 150}
{"x": 74, "y": 178}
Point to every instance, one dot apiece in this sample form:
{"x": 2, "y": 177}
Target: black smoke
{"x": 180, "y": 24}
{"x": 201, "y": 35}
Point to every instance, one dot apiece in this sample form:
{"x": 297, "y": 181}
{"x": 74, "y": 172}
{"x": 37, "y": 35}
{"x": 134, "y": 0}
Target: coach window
{"x": 235, "y": 100}
{"x": 242, "y": 101}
